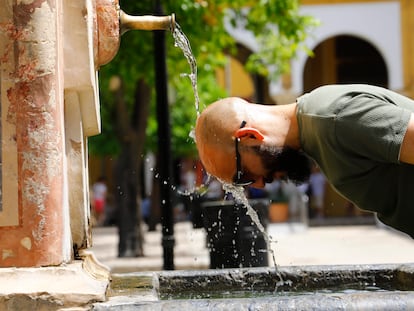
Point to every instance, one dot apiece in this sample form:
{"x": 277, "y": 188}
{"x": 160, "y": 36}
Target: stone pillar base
{"x": 71, "y": 286}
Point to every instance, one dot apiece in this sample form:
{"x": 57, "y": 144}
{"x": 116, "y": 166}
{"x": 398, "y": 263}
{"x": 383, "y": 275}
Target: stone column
{"x": 35, "y": 229}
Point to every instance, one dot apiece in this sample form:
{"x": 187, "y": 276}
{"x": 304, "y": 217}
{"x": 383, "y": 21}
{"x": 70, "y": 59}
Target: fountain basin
{"x": 356, "y": 287}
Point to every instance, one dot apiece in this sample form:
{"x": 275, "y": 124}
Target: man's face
{"x": 261, "y": 164}
{"x": 284, "y": 162}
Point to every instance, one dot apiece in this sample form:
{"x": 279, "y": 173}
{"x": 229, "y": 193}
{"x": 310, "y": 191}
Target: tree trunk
{"x": 130, "y": 129}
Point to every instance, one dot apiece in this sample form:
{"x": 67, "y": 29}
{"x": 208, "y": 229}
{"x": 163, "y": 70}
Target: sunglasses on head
{"x": 238, "y": 177}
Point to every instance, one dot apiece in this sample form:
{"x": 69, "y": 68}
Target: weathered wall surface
{"x": 32, "y": 121}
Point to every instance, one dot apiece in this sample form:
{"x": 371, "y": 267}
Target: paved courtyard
{"x": 293, "y": 244}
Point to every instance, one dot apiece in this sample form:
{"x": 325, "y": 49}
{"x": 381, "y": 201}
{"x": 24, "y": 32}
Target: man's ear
{"x": 249, "y": 132}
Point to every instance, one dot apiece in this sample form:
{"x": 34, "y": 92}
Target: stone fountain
{"x": 356, "y": 287}
{"x": 50, "y": 52}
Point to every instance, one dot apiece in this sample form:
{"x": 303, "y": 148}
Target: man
{"x": 361, "y": 136}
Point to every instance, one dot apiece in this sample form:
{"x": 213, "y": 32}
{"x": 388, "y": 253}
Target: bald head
{"x": 269, "y": 130}
{"x": 214, "y": 132}
{"x": 219, "y": 120}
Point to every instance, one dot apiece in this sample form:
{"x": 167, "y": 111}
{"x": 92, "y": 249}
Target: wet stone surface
{"x": 289, "y": 279}
{"x": 357, "y": 287}
{"x": 369, "y": 301}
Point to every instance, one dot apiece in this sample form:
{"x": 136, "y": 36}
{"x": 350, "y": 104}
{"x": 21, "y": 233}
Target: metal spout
{"x": 146, "y": 22}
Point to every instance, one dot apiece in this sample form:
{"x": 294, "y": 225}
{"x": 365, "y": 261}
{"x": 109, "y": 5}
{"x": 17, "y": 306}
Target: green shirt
{"x": 354, "y": 133}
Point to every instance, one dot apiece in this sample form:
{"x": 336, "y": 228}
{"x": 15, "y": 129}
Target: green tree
{"x": 277, "y": 25}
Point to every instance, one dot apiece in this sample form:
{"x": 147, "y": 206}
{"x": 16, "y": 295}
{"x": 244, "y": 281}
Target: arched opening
{"x": 345, "y": 59}
{"x": 340, "y": 60}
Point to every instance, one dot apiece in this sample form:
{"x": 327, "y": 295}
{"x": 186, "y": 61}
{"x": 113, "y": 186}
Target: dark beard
{"x": 294, "y": 163}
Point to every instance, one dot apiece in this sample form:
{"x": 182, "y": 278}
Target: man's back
{"x": 354, "y": 133}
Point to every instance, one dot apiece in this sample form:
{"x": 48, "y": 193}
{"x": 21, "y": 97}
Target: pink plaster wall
{"x": 36, "y": 109}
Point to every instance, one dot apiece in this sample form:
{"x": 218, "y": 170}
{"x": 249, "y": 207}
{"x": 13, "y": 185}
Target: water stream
{"x": 240, "y": 197}
{"x": 182, "y": 42}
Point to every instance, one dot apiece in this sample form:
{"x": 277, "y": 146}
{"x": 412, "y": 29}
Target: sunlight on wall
{"x": 235, "y": 79}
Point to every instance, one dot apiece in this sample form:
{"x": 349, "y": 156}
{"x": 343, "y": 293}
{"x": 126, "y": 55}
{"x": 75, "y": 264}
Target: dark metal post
{"x": 164, "y": 145}
{"x": 259, "y": 84}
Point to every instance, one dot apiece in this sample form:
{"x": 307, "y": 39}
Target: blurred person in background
{"x": 99, "y": 194}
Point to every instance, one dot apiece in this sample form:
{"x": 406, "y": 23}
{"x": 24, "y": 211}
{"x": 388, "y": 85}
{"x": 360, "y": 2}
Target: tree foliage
{"x": 277, "y": 25}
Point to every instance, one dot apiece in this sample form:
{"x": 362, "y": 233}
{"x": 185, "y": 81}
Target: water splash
{"x": 181, "y": 41}
{"x": 240, "y": 197}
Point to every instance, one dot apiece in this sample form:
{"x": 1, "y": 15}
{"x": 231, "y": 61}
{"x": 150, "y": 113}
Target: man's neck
{"x": 290, "y": 128}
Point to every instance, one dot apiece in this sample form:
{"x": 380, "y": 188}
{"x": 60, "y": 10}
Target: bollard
{"x": 233, "y": 240}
